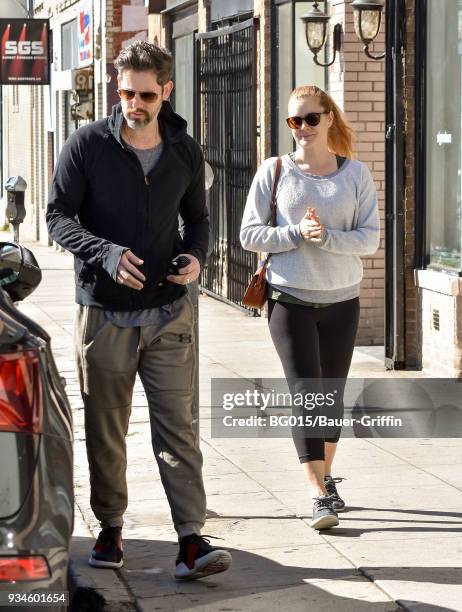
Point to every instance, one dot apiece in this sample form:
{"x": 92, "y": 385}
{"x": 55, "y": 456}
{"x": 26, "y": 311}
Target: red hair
{"x": 341, "y": 137}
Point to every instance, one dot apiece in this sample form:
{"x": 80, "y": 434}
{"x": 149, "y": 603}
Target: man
{"x": 127, "y": 178}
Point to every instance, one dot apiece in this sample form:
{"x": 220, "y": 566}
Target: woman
{"x": 327, "y": 217}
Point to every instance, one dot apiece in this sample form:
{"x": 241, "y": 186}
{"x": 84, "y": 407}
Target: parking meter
{"x": 15, "y": 187}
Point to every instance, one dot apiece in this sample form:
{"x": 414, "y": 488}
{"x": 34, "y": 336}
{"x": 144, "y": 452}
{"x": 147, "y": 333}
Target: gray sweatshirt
{"x": 346, "y": 202}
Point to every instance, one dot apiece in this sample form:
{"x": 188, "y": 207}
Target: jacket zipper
{"x": 148, "y": 207}
{"x": 135, "y": 299}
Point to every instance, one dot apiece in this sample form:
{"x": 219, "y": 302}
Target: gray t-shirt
{"x": 149, "y": 316}
{"x": 148, "y": 157}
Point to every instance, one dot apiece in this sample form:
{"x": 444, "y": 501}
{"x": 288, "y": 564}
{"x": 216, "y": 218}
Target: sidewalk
{"x": 398, "y": 547}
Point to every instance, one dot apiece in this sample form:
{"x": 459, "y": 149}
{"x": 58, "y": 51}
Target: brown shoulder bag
{"x": 256, "y": 293}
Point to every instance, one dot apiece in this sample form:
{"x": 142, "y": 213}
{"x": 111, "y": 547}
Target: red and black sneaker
{"x": 108, "y": 550}
{"x": 198, "y": 559}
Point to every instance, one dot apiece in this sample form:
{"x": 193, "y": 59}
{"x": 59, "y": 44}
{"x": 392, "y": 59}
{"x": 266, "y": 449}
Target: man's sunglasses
{"x": 146, "y": 96}
{"x": 311, "y": 119}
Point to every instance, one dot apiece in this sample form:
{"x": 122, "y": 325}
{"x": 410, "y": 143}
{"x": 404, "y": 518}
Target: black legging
{"x": 314, "y": 343}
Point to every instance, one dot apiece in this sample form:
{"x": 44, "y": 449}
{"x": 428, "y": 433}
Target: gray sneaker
{"x": 338, "y": 503}
{"x": 324, "y": 515}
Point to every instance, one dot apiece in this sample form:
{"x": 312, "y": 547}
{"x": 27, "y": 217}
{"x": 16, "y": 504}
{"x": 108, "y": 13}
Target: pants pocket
{"x": 107, "y": 360}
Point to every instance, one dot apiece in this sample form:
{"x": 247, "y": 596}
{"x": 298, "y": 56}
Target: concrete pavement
{"x": 399, "y": 546}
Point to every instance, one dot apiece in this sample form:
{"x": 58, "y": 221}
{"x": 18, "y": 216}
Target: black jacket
{"x": 101, "y": 204}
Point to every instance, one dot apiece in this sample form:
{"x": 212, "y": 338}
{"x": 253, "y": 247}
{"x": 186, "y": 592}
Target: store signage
{"x": 24, "y": 51}
{"x": 443, "y": 139}
{"x": 85, "y": 35}
{"x": 82, "y": 79}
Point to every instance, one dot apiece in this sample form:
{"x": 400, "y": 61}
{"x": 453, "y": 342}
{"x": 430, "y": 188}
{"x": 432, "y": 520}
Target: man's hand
{"x": 189, "y": 273}
{"x": 311, "y": 227}
{"x": 127, "y": 272}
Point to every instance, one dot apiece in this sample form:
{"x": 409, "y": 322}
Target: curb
{"x": 96, "y": 590}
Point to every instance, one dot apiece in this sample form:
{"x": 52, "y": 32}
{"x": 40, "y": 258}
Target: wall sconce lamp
{"x": 316, "y": 23}
{"x": 367, "y": 20}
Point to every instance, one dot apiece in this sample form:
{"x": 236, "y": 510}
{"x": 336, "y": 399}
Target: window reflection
{"x": 183, "y": 50}
{"x": 444, "y": 94}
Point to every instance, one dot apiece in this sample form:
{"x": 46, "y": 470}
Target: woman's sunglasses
{"x": 311, "y": 119}
{"x": 146, "y": 96}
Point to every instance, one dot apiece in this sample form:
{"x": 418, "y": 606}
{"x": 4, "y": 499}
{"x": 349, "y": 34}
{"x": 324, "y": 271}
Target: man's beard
{"x": 137, "y": 123}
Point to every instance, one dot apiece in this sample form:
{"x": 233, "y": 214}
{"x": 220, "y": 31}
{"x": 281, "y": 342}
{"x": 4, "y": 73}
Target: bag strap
{"x": 274, "y": 203}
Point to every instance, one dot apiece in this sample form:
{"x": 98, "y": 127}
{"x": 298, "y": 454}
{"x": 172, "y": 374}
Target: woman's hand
{"x": 311, "y": 227}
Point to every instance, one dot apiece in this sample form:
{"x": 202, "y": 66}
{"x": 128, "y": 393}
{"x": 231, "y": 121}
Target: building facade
{"x": 86, "y": 36}
{"x": 432, "y": 195}
{"x": 236, "y": 62}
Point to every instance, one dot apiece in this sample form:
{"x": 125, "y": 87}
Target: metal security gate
{"x": 226, "y": 78}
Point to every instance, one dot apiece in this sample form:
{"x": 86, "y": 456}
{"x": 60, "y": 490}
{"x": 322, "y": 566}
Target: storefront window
{"x": 184, "y": 23}
{"x": 294, "y": 64}
{"x": 69, "y": 45}
{"x": 443, "y": 134}
{"x": 183, "y": 52}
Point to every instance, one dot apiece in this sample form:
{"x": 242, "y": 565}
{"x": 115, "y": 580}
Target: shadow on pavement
{"x": 254, "y": 582}
{"x": 345, "y": 530}
{"x": 352, "y": 532}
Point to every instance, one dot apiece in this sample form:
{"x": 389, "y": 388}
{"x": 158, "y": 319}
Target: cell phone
{"x": 177, "y": 263}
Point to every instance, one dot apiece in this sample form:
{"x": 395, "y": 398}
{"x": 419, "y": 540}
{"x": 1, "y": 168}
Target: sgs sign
{"x": 24, "y": 47}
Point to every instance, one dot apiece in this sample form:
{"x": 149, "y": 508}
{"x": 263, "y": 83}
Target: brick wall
{"x": 115, "y": 37}
{"x": 358, "y": 86}
{"x": 440, "y": 300}
{"x": 413, "y": 342}
{"x": 438, "y": 346}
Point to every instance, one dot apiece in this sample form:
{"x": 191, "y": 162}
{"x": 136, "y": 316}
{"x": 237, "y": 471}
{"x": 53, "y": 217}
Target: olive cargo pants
{"x": 108, "y": 359}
